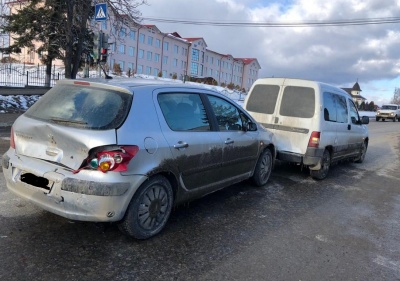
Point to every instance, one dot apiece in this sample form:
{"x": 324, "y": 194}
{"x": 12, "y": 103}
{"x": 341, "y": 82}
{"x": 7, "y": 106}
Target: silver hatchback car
{"x": 127, "y": 151}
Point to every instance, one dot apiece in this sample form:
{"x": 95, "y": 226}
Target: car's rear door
{"x": 196, "y": 148}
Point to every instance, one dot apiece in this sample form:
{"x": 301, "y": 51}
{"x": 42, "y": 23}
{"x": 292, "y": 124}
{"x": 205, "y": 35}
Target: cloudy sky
{"x": 339, "y": 55}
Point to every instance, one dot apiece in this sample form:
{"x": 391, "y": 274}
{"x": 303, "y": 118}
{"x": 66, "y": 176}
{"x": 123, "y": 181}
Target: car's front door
{"x": 240, "y": 146}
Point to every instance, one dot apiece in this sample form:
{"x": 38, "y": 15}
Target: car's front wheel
{"x": 149, "y": 209}
{"x": 263, "y": 168}
{"x": 325, "y": 165}
{"x": 363, "y": 151}
{"x": 377, "y": 119}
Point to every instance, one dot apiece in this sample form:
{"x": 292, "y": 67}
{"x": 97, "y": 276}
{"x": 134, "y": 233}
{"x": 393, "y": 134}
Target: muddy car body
{"x": 126, "y": 151}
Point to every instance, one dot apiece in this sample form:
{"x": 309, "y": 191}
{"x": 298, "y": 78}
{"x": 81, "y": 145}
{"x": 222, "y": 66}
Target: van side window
{"x": 329, "y": 107}
{"x": 355, "y": 118}
{"x": 298, "y": 102}
{"x": 263, "y": 99}
{"x": 335, "y": 108}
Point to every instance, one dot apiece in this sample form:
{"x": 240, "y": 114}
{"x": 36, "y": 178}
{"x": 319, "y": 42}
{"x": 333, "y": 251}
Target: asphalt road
{"x": 343, "y": 228}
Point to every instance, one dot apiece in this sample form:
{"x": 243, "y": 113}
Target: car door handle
{"x": 229, "y": 141}
{"x": 181, "y": 144}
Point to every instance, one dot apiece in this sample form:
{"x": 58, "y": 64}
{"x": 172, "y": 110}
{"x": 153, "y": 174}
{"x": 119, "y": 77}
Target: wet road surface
{"x": 294, "y": 228}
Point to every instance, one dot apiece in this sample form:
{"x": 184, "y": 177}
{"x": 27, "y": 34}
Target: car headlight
{"x": 391, "y": 113}
{"x": 378, "y": 112}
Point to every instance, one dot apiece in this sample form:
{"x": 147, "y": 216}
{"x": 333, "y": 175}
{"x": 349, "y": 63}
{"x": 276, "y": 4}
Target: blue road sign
{"x": 100, "y": 12}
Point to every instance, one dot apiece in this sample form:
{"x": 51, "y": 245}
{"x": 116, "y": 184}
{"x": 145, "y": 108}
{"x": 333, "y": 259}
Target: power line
{"x": 312, "y": 23}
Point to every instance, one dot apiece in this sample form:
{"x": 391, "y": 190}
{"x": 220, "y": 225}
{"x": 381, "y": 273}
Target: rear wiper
{"x": 60, "y": 120}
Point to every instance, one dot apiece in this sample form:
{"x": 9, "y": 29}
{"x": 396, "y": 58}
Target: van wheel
{"x": 383, "y": 119}
{"x": 263, "y": 168}
{"x": 363, "y": 152}
{"x": 149, "y": 209}
{"x": 377, "y": 119}
{"x": 394, "y": 119}
{"x": 325, "y": 164}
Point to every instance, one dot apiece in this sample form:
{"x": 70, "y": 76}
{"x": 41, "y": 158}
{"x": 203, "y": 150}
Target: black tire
{"x": 263, "y": 168}
{"x": 377, "y": 119}
{"x": 383, "y": 119}
{"x": 325, "y": 165}
{"x": 149, "y": 209}
{"x": 394, "y": 119}
{"x": 363, "y": 152}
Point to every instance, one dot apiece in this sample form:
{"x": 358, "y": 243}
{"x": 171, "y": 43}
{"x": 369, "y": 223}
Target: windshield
{"x": 390, "y": 107}
{"x": 82, "y": 107}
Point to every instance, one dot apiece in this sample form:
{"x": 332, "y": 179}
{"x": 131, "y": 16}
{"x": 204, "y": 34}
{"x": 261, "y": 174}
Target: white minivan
{"x": 315, "y": 124}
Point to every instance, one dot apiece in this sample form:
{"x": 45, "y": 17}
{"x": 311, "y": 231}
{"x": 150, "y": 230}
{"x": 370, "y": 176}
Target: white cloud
{"x": 337, "y": 54}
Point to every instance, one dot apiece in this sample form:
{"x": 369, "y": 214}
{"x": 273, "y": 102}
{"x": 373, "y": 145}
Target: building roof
{"x": 356, "y": 87}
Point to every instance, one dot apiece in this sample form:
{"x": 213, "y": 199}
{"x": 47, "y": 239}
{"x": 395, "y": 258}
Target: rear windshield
{"x": 263, "y": 99}
{"x": 82, "y": 107}
{"x": 298, "y": 102}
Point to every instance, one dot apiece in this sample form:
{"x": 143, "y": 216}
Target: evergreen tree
{"x": 62, "y": 28}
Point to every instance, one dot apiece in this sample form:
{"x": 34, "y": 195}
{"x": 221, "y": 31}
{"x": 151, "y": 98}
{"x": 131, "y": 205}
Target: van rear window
{"x": 82, "y": 107}
{"x": 298, "y": 102}
{"x": 263, "y": 99}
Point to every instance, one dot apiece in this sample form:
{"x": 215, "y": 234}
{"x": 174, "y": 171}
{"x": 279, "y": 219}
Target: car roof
{"x": 129, "y": 83}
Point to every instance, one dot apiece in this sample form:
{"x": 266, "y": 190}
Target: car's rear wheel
{"x": 363, "y": 152}
{"x": 149, "y": 209}
{"x": 263, "y": 168}
{"x": 325, "y": 165}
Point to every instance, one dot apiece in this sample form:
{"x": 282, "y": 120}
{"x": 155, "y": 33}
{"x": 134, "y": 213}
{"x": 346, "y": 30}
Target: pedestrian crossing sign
{"x": 100, "y": 12}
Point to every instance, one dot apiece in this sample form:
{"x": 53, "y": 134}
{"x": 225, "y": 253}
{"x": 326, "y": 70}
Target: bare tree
{"x": 396, "y": 96}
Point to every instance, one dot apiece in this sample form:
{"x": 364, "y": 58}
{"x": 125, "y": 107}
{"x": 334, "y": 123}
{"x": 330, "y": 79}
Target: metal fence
{"x": 21, "y": 75}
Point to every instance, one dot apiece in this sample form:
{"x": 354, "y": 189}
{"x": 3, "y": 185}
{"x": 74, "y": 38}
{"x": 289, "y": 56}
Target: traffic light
{"x": 96, "y": 45}
{"x": 103, "y": 56}
{"x": 104, "y": 40}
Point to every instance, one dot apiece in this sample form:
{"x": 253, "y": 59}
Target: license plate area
{"x": 34, "y": 180}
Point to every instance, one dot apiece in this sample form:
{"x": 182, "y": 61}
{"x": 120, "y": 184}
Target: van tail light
{"x": 314, "y": 139}
{"x": 12, "y": 139}
{"x": 109, "y": 158}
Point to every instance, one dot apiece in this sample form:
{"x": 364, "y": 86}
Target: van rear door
{"x": 296, "y": 115}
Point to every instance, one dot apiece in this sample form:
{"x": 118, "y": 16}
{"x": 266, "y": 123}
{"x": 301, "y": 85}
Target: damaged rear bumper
{"x": 86, "y": 196}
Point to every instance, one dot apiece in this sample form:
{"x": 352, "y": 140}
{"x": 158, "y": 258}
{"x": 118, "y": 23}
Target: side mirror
{"x": 365, "y": 120}
{"x": 251, "y": 126}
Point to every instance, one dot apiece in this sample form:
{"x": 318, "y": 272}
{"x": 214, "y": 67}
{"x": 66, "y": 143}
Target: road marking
{"x": 387, "y": 263}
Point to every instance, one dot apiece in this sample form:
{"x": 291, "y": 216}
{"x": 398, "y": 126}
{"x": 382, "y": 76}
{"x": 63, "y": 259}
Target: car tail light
{"x": 12, "y": 140}
{"x": 314, "y": 139}
{"x": 107, "y": 159}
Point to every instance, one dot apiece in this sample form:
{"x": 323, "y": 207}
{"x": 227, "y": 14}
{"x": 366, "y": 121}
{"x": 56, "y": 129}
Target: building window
{"x": 158, "y": 43}
{"x": 148, "y": 70}
{"x": 131, "y": 51}
{"x": 166, "y": 46}
{"x": 104, "y": 25}
{"x": 156, "y": 57}
{"x": 155, "y": 72}
{"x": 121, "y": 49}
{"x": 165, "y": 60}
{"x": 130, "y": 66}
{"x": 132, "y": 34}
{"x": 194, "y": 70}
{"x": 164, "y": 73}
{"x": 195, "y": 55}
{"x": 141, "y": 54}
{"x": 140, "y": 69}
{"x": 176, "y": 49}
{"x": 122, "y": 32}
{"x": 175, "y": 62}
{"x": 149, "y": 55}
{"x": 121, "y": 65}
{"x": 150, "y": 40}
{"x": 141, "y": 38}
{"x": 212, "y": 60}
